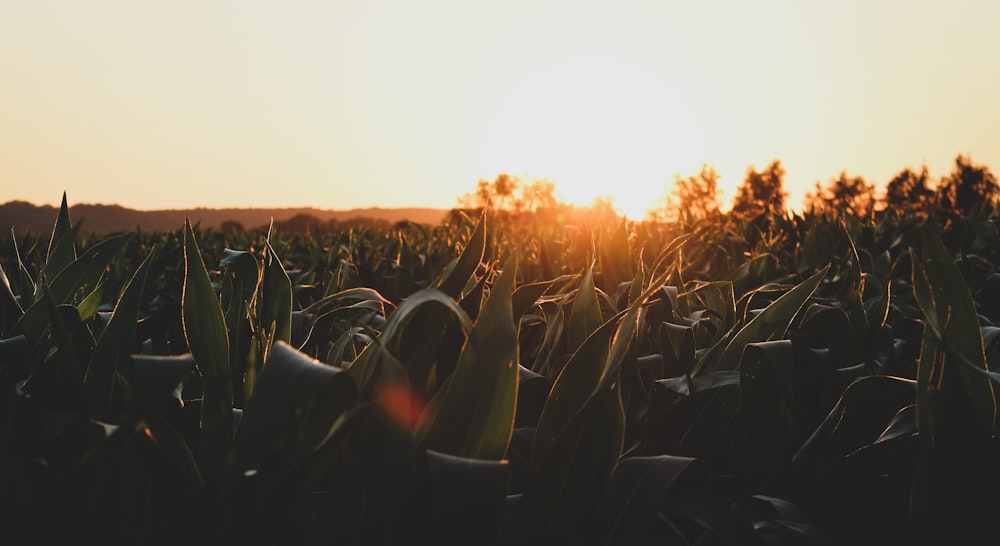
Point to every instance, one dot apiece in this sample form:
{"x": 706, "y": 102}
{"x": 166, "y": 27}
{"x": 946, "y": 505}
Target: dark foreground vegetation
{"x": 534, "y": 378}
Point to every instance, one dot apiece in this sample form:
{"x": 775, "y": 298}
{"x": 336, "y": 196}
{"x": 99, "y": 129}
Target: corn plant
{"x": 496, "y": 379}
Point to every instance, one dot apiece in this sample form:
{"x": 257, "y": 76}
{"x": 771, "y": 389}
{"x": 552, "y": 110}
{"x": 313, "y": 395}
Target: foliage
{"x": 967, "y": 188}
{"x": 910, "y": 190}
{"x": 844, "y": 195}
{"x": 695, "y": 197}
{"x": 761, "y": 191}
{"x": 506, "y": 377}
{"x": 508, "y": 191}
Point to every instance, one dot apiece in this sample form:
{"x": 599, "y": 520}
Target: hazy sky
{"x": 157, "y": 104}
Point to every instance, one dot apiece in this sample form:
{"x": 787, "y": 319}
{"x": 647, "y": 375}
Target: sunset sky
{"x": 334, "y": 104}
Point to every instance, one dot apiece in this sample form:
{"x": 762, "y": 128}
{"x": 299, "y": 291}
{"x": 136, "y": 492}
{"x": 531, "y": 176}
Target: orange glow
{"x": 401, "y": 404}
{"x": 398, "y": 104}
{"x": 597, "y": 127}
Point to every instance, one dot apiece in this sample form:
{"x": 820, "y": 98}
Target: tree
{"x": 844, "y": 195}
{"x": 540, "y": 194}
{"x": 695, "y": 197}
{"x": 910, "y": 190}
{"x": 967, "y": 187}
{"x": 496, "y": 194}
{"x": 761, "y": 191}
{"x": 232, "y": 227}
{"x": 300, "y": 223}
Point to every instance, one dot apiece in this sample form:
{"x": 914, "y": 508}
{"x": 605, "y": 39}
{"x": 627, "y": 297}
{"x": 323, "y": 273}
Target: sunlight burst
{"x": 597, "y": 127}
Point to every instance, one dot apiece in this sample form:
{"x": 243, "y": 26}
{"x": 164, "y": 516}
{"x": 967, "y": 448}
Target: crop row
{"x": 498, "y": 380}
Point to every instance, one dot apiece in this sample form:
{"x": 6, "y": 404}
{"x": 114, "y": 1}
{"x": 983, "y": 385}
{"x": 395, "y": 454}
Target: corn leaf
{"x": 572, "y": 390}
{"x": 420, "y": 346}
{"x": 208, "y": 341}
{"x": 275, "y": 297}
{"x": 525, "y": 296}
{"x": 951, "y": 313}
{"x": 472, "y": 415}
{"x": 455, "y": 277}
{"x": 585, "y": 315}
{"x": 398, "y": 322}
{"x": 295, "y": 408}
{"x": 770, "y": 324}
{"x": 62, "y": 249}
{"x": 956, "y": 402}
{"x": 72, "y": 286}
{"x": 857, "y": 420}
{"x": 239, "y": 287}
{"x": 570, "y": 476}
{"x": 114, "y": 347}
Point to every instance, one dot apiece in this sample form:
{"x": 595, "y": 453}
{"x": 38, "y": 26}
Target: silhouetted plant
{"x": 967, "y": 187}
{"x": 910, "y": 190}
{"x": 761, "y": 191}
{"x": 695, "y": 197}
{"x": 843, "y": 195}
{"x": 498, "y": 194}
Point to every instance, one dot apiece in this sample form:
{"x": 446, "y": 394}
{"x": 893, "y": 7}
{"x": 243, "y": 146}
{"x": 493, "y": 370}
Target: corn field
{"x": 796, "y": 379}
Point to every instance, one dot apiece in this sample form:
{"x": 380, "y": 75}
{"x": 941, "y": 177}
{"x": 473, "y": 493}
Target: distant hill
{"x": 23, "y": 217}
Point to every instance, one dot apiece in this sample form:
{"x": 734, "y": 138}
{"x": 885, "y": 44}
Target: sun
{"x": 597, "y": 126}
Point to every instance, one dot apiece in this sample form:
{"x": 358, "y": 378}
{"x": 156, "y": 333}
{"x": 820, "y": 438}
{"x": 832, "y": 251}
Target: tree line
{"x": 967, "y": 188}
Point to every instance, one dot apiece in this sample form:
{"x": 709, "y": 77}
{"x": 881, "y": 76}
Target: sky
{"x": 344, "y": 104}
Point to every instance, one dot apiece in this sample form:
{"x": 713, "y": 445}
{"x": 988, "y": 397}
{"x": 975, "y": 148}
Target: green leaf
{"x": 62, "y": 249}
{"x": 275, "y": 297}
{"x": 116, "y": 344}
{"x": 455, "y": 277}
{"x": 208, "y": 341}
{"x": 585, "y": 316}
{"x": 956, "y": 403}
{"x": 568, "y": 480}
{"x": 361, "y": 370}
{"x": 593, "y": 368}
{"x": 615, "y": 259}
{"x": 769, "y": 324}
{"x": 62, "y": 338}
{"x": 295, "y": 408}
{"x": 878, "y": 312}
{"x": 345, "y": 298}
{"x": 924, "y": 294}
{"x": 679, "y": 355}
{"x": 72, "y": 286}
{"x": 472, "y": 415}
{"x": 90, "y": 305}
{"x": 27, "y": 291}
{"x": 573, "y": 389}
{"x": 857, "y": 420}
{"x": 425, "y": 346}
{"x": 961, "y": 332}
{"x": 527, "y": 295}
{"x": 718, "y": 297}
{"x": 78, "y": 279}
{"x": 551, "y": 347}
{"x": 240, "y": 277}
{"x": 660, "y": 264}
